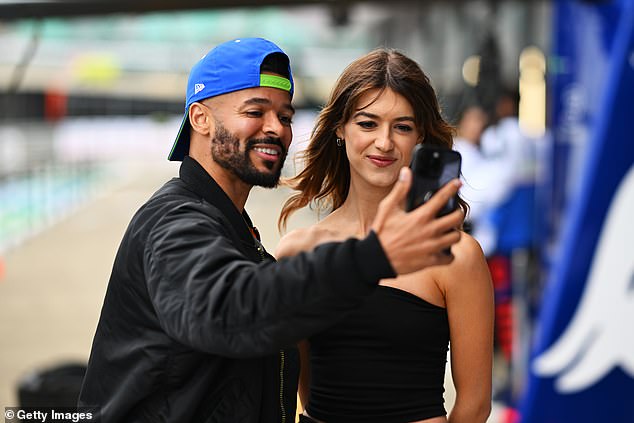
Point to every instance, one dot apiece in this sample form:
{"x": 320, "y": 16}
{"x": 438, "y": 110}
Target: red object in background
{"x": 500, "y": 268}
{"x": 510, "y": 415}
{"x": 55, "y": 105}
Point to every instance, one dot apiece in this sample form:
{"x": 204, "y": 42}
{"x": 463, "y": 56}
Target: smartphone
{"x": 432, "y": 167}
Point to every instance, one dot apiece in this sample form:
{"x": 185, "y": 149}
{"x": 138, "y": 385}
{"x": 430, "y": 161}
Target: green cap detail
{"x": 275, "y": 81}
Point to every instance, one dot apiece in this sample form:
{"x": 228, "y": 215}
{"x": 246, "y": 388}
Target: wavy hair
{"x": 325, "y": 179}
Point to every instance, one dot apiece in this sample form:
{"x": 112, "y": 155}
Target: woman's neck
{"x": 359, "y": 209}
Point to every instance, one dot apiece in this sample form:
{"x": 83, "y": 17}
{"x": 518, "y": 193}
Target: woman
{"x": 385, "y": 362}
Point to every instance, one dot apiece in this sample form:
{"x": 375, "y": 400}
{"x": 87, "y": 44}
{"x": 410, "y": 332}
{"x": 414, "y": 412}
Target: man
{"x": 199, "y": 321}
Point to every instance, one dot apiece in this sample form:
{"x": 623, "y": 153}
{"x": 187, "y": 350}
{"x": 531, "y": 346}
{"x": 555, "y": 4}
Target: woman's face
{"x": 379, "y": 137}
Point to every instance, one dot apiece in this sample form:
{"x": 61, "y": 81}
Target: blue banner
{"x": 582, "y": 368}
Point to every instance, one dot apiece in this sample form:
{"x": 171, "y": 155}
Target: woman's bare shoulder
{"x": 469, "y": 261}
{"x": 468, "y": 248}
{"x": 303, "y": 239}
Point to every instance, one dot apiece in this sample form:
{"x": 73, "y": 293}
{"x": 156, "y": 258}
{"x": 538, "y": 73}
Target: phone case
{"x": 432, "y": 167}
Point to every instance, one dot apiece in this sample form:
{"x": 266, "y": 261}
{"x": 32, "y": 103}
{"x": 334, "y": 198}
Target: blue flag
{"x": 582, "y": 369}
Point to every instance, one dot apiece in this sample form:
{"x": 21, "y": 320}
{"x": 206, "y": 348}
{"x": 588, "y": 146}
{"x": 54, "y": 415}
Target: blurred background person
{"x": 512, "y": 220}
{"x": 481, "y": 176}
{"x": 505, "y": 143}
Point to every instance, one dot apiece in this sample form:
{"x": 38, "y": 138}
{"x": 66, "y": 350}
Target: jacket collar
{"x": 201, "y": 183}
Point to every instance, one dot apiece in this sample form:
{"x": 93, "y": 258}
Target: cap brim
{"x": 180, "y": 149}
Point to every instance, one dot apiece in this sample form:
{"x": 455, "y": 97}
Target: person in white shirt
{"x": 485, "y": 179}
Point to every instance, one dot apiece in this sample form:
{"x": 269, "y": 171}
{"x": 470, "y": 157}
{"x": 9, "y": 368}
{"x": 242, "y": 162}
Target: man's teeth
{"x": 270, "y": 151}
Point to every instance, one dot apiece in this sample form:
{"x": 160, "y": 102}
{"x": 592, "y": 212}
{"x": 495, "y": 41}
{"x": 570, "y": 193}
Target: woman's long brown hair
{"x": 325, "y": 179}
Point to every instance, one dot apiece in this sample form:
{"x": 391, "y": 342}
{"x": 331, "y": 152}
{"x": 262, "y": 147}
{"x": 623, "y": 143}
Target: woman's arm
{"x": 469, "y": 299}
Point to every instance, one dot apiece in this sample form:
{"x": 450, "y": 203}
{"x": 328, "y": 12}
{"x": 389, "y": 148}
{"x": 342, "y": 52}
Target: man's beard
{"x": 225, "y": 150}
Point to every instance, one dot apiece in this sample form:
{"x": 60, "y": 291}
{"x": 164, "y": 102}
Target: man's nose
{"x": 272, "y": 125}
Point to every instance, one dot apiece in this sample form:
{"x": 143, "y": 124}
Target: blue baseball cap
{"x": 232, "y": 66}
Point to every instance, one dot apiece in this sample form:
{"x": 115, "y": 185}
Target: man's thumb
{"x": 401, "y": 188}
{"x": 395, "y": 198}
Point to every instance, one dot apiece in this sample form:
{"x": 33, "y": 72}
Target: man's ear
{"x": 200, "y": 119}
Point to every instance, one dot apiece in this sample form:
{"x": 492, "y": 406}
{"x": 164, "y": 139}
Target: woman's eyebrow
{"x": 366, "y": 114}
{"x": 373, "y": 116}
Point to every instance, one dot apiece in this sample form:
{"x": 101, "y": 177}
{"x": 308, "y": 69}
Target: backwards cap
{"x": 231, "y": 66}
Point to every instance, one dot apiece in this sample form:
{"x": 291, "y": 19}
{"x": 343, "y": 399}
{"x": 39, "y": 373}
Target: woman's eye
{"x": 404, "y": 128}
{"x": 367, "y": 124}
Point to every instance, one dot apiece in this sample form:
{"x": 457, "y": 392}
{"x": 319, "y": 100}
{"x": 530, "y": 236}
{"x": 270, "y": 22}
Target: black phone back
{"x": 432, "y": 167}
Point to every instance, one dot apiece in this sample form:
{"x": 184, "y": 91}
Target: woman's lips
{"x": 381, "y": 161}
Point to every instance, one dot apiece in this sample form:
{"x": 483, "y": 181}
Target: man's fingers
{"x": 441, "y": 197}
{"x": 449, "y": 221}
{"x": 447, "y": 240}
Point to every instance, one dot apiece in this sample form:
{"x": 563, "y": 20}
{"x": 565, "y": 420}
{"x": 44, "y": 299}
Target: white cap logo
{"x": 198, "y": 88}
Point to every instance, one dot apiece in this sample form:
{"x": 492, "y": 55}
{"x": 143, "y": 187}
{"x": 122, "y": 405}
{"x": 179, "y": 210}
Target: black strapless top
{"x": 383, "y": 363}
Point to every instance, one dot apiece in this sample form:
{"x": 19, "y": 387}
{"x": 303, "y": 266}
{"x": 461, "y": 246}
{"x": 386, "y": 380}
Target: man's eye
{"x": 254, "y": 113}
{"x": 367, "y": 124}
{"x": 286, "y": 120}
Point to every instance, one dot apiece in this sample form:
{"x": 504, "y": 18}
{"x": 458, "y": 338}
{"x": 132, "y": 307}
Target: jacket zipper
{"x": 282, "y": 364}
{"x": 260, "y": 248}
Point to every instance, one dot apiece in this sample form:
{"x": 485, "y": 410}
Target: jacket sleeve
{"x": 209, "y": 296}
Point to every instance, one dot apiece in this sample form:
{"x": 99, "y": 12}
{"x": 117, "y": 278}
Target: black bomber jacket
{"x": 199, "y": 322}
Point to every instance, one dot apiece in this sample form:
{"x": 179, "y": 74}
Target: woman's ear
{"x": 200, "y": 119}
{"x": 339, "y": 133}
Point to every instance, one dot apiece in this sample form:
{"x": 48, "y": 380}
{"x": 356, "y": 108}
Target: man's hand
{"x": 415, "y": 240}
